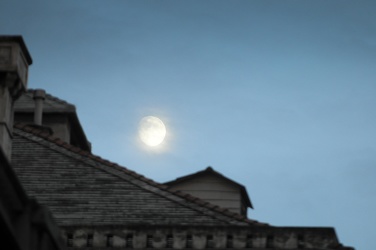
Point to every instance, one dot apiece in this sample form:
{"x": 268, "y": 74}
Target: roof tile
{"x": 164, "y": 188}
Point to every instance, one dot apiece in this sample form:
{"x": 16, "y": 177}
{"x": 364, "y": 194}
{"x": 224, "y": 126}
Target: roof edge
{"x": 189, "y": 198}
{"x": 210, "y": 170}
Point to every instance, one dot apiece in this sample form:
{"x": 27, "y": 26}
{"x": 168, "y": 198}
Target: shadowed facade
{"x": 25, "y": 224}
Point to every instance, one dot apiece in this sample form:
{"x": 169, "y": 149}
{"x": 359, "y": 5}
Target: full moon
{"x": 152, "y": 131}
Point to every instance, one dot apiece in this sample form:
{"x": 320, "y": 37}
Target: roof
{"x": 81, "y": 188}
{"x": 25, "y": 104}
{"x": 211, "y": 171}
{"x": 14, "y": 204}
{"x": 52, "y": 104}
{"x": 18, "y": 39}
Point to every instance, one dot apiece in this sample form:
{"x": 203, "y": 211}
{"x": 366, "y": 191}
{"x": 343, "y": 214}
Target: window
{"x": 269, "y": 241}
{"x": 209, "y": 241}
{"x": 169, "y": 241}
{"x": 129, "y": 241}
{"x": 249, "y": 241}
{"x": 69, "y": 240}
{"x": 89, "y": 240}
{"x": 149, "y": 241}
{"x": 110, "y": 240}
{"x": 189, "y": 243}
{"x": 300, "y": 241}
{"x": 229, "y": 243}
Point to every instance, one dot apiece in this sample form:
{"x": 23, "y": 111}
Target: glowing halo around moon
{"x": 152, "y": 131}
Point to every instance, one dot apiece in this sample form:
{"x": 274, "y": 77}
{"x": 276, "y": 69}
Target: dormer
{"x": 39, "y": 108}
{"x": 212, "y": 186}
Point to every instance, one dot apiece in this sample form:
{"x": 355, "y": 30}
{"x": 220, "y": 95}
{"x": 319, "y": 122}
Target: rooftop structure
{"x": 24, "y": 223}
{"x": 42, "y": 109}
{"x": 98, "y": 204}
{"x": 215, "y": 188}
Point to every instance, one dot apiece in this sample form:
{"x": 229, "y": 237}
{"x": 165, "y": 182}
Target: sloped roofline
{"x": 68, "y": 109}
{"x": 210, "y": 170}
{"x": 172, "y": 195}
{"x": 21, "y": 42}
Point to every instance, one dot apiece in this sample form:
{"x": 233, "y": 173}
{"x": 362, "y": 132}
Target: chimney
{"x": 14, "y": 63}
{"x": 39, "y": 96}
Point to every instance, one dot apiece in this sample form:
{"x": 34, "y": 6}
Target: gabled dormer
{"x": 212, "y": 186}
{"x": 60, "y": 117}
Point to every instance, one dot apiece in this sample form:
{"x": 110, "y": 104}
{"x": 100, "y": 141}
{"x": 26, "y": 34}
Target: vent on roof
{"x": 39, "y": 96}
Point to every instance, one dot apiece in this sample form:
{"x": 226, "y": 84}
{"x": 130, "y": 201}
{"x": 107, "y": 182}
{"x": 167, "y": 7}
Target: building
{"x": 24, "y": 223}
{"x": 215, "y": 188}
{"x": 98, "y": 204}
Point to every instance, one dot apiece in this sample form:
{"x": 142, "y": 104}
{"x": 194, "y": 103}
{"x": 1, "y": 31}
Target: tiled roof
{"x": 81, "y": 188}
{"x": 51, "y": 104}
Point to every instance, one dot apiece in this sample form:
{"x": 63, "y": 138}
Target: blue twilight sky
{"x": 277, "y": 95}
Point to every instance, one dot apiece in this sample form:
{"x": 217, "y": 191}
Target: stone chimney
{"x": 39, "y": 96}
{"x": 14, "y": 63}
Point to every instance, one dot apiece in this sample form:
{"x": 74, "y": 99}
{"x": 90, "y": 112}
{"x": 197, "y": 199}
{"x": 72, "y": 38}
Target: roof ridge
{"x": 192, "y": 199}
{"x": 211, "y": 170}
{"x": 52, "y": 98}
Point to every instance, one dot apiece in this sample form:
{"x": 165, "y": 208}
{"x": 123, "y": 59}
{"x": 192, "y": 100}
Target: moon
{"x": 152, "y": 131}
